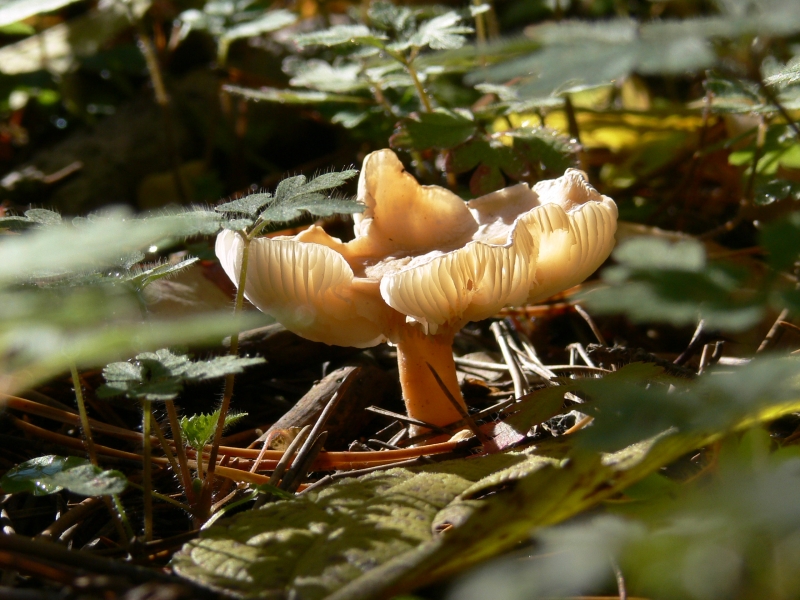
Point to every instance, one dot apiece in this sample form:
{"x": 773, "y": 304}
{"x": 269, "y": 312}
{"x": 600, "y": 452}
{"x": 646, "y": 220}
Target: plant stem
{"x": 408, "y": 63}
{"x": 208, "y": 482}
{"x": 163, "y": 498}
{"x": 147, "y": 470}
{"x": 87, "y": 430}
{"x": 117, "y": 511}
{"x": 180, "y": 451}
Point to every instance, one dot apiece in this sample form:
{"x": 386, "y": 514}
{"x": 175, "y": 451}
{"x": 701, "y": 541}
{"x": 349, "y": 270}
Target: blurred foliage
{"x": 686, "y": 113}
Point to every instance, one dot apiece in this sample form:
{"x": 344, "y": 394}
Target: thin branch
{"x": 461, "y": 410}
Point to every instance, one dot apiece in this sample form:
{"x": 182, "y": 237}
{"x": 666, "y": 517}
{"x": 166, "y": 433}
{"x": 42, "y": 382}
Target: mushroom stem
{"x": 424, "y": 399}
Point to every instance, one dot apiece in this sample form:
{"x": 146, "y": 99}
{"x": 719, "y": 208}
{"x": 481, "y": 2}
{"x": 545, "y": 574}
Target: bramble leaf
{"x": 198, "y": 429}
{"x": 246, "y": 205}
{"x": 441, "y": 33}
{"x": 50, "y": 474}
{"x": 297, "y": 195}
{"x": 32, "y": 218}
{"x": 161, "y": 375}
{"x": 442, "y": 129}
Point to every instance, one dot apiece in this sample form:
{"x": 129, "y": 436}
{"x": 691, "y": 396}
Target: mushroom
{"x": 424, "y": 263}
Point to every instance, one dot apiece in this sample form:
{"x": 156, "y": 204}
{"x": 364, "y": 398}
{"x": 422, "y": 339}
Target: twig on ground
{"x": 592, "y": 325}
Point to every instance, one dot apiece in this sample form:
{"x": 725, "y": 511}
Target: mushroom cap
{"x": 423, "y": 255}
{"x": 307, "y": 287}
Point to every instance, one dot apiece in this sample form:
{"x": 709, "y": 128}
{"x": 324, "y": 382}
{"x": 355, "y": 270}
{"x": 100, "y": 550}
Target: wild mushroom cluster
{"x": 422, "y": 264}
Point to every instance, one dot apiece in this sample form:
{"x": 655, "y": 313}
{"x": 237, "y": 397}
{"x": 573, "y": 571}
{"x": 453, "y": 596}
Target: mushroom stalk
{"x": 424, "y": 399}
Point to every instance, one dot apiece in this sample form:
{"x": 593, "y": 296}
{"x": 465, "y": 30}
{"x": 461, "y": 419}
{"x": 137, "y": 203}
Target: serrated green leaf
{"x": 441, "y": 33}
{"x": 247, "y": 205}
{"x": 161, "y": 375}
{"x": 295, "y": 196}
{"x": 197, "y": 430}
{"x": 70, "y": 40}
{"x": 33, "y": 217}
{"x": 50, "y": 474}
{"x": 267, "y": 549}
{"x": 341, "y": 34}
{"x": 140, "y": 278}
{"x": 555, "y": 152}
{"x": 390, "y": 17}
{"x": 442, "y": 129}
{"x": 44, "y": 217}
{"x": 325, "y": 77}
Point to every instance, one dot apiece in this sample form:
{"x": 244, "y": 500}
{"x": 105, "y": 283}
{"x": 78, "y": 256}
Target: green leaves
{"x": 161, "y": 375}
{"x": 266, "y": 23}
{"x": 441, "y": 33}
{"x": 427, "y": 523}
{"x": 659, "y": 281}
{"x": 341, "y": 34}
{"x": 533, "y": 151}
{"x": 576, "y": 54}
{"x": 733, "y": 535}
{"x": 441, "y": 129}
{"x": 358, "y": 524}
{"x": 50, "y": 474}
{"x": 198, "y": 429}
{"x": 294, "y": 197}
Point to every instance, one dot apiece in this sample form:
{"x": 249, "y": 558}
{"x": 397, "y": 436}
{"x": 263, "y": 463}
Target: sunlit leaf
{"x": 297, "y": 195}
{"x": 197, "y": 430}
{"x": 49, "y": 474}
{"x": 441, "y": 33}
{"x": 268, "y": 22}
{"x": 293, "y": 96}
{"x": 341, "y": 34}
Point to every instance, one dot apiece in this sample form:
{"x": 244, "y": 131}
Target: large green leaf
{"x": 318, "y": 542}
{"x": 659, "y": 281}
{"x": 50, "y": 474}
